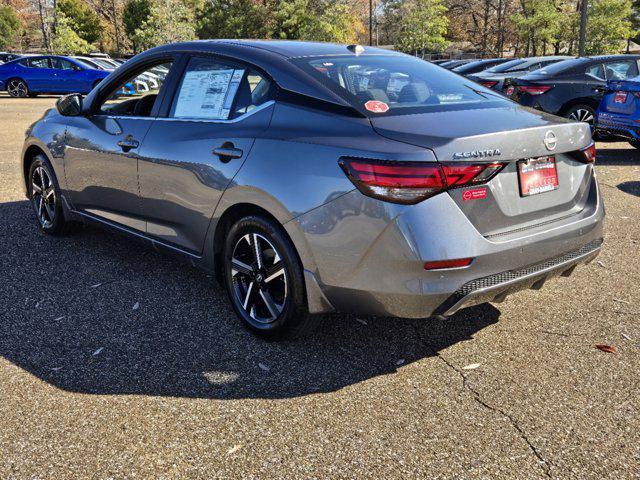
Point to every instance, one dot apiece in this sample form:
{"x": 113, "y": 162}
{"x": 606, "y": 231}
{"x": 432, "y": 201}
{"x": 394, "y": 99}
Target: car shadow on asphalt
{"x": 96, "y": 313}
{"x": 623, "y": 157}
{"x": 631, "y": 187}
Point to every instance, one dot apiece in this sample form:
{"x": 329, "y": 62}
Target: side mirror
{"x": 70, "y": 105}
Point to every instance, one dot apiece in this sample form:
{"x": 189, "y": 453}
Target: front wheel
{"x": 264, "y": 278}
{"x": 45, "y": 198}
{"x": 581, "y": 113}
{"x": 17, "y": 88}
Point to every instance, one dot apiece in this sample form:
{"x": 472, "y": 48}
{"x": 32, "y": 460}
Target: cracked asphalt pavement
{"x": 117, "y": 362}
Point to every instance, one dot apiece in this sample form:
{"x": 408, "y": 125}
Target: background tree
{"x": 233, "y": 19}
{"x": 135, "y": 13}
{"x": 169, "y": 21}
{"x": 609, "y": 26}
{"x": 9, "y": 26}
{"x": 80, "y": 19}
{"x": 66, "y": 40}
{"x": 422, "y": 25}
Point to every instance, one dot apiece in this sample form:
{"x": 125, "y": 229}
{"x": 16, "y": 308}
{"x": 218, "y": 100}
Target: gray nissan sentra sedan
{"x": 312, "y": 178}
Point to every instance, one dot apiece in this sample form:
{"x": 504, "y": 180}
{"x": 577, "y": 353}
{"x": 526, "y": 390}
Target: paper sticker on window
{"x": 376, "y": 106}
{"x": 207, "y": 94}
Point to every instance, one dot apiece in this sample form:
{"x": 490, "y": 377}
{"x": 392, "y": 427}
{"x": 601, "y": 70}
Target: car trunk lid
{"x": 508, "y": 135}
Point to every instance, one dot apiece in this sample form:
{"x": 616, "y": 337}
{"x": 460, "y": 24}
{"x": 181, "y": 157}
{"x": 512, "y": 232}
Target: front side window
{"x": 136, "y": 95}
{"x": 393, "y": 84}
{"x": 62, "y": 64}
{"x": 39, "y": 63}
{"x": 211, "y": 90}
{"x": 621, "y": 70}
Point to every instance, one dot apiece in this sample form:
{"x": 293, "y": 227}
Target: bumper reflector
{"x": 444, "y": 264}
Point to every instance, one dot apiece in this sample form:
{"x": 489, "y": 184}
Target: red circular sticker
{"x": 376, "y": 106}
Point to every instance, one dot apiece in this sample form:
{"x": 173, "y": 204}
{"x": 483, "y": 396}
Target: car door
{"x": 102, "y": 148}
{"x": 595, "y": 81}
{"x": 68, "y": 76}
{"x": 40, "y": 76}
{"x": 194, "y": 149}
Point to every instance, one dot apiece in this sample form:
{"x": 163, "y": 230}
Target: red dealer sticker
{"x": 474, "y": 194}
{"x": 376, "y": 106}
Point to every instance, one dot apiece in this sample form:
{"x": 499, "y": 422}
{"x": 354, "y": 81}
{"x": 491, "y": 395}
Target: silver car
{"x": 312, "y": 178}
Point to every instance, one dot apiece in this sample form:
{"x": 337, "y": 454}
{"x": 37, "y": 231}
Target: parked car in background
{"x": 479, "y": 65}
{"x": 573, "y": 88}
{"x": 7, "y": 57}
{"x": 440, "y": 61}
{"x": 417, "y": 195}
{"x": 500, "y": 76}
{"x": 30, "y": 76}
{"x": 618, "y": 114}
{"x": 451, "y": 64}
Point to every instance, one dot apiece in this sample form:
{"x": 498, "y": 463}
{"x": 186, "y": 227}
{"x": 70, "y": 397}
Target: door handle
{"x": 128, "y": 143}
{"x": 227, "y": 151}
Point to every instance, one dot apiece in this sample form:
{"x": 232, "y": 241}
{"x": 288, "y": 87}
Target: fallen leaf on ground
{"x": 263, "y": 367}
{"x": 96, "y": 285}
{"x": 400, "y": 362}
{"x": 627, "y": 337}
{"x": 136, "y": 306}
{"x": 621, "y": 301}
{"x": 607, "y": 348}
{"x": 97, "y": 352}
{"x": 471, "y": 366}
{"x": 600, "y": 264}
{"x": 234, "y": 449}
{"x": 58, "y": 319}
{"x": 359, "y": 320}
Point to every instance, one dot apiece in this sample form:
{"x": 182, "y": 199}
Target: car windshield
{"x": 394, "y": 84}
{"x": 503, "y": 67}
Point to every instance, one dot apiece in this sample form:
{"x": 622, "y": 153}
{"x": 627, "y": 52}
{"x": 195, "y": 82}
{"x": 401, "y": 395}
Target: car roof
{"x": 285, "y": 48}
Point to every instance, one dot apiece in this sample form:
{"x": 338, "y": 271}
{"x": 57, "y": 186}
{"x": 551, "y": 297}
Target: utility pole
{"x": 370, "y": 22}
{"x": 583, "y": 27}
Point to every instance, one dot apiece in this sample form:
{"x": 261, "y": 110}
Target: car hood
{"x": 518, "y": 132}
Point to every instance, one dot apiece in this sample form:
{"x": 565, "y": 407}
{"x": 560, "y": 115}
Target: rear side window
{"x": 621, "y": 70}
{"x": 596, "y": 71}
{"x": 62, "y": 64}
{"x": 213, "y": 90}
{"x": 394, "y": 84}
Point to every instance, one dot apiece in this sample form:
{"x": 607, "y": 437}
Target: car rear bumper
{"x": 617, "y": 125}
{"x": 368, "y": 256}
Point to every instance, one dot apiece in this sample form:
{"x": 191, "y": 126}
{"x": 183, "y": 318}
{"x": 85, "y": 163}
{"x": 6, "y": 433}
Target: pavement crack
{"x": 544, "y": 464}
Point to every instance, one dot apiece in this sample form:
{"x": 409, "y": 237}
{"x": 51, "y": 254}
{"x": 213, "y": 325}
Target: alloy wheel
{"x": 259, "y": 278}
{"x": 43, "y": 196}
{"x": 582, "y": 115}
{"x": 17, "y": 88}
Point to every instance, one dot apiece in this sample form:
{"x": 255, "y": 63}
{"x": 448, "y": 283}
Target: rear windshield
{"x": 503, "y": 67}
{"x": 395, "y": 85}
{"x": 560, "y": 67}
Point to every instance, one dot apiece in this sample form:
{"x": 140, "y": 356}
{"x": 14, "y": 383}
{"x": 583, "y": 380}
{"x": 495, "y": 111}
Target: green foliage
{"x": 232, "y": 19}
{"x": 81, "y": 19}
{"x": 609, "y": 26}
{"x": 538, "y": 24}
{"x": 67, "y": 41}
{"x": 9, "y": 26}
{"x": 422, "y": 25}
{"x": 135, "y": 13}
{"x": 169, "y": 21}
{"x": 332, "y": 21}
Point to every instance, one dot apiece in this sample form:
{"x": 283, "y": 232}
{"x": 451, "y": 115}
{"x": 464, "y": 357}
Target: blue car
{"x": 618, "y": 114}
{"x": 29, "y": 76}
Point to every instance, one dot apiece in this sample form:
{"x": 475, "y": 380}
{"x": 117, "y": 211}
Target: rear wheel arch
{"x": 228, "y": 218}
{"x": 578, "y": 101}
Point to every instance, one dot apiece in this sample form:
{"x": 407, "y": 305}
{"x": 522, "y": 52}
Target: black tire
{"x": 269, "y": 296}
{"x": 634, "y": 143}
{"x": 17, "y": 88}
{"x": 44, "y": 193}
{"x": 581, "y": 113}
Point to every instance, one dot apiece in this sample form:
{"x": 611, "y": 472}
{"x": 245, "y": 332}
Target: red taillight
{"x": 442, "y": 264}
{"x": 412, "y": 182}
{"x": 586, "y": 155}
{"x": 534, "y": 90}
{"x": 489, "y": 83}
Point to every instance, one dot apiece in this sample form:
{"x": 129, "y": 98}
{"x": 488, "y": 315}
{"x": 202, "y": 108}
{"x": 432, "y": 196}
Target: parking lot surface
{"x": 117, "y": 362}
